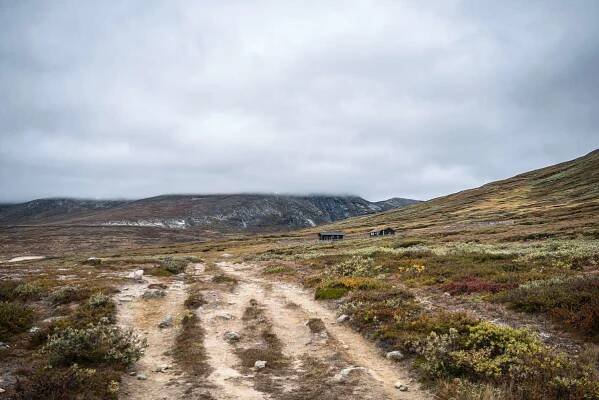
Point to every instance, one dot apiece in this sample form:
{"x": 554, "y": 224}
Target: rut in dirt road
{"x": 155, "y": 375}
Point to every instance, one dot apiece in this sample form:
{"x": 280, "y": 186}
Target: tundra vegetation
{"x": 381, "y": 285}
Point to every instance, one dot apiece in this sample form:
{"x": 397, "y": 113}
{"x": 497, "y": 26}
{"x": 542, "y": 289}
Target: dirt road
{"x": 246, "y": 319}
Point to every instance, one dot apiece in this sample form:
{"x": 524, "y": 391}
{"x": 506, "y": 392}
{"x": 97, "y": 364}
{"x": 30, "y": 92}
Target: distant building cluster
{"x": 338, "y": 235}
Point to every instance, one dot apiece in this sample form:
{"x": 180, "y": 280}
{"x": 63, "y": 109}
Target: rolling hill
{"x": 557, "y": 201}
{"x": 220, "y": 213}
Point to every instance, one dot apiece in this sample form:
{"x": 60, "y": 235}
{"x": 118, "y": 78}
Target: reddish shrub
{"x": 473, "y": 284}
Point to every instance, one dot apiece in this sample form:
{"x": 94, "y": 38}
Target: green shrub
{"x": 14, "y": 318}
{"x": 96, "y": 344}
{"x": 68, "y": 294}
{"x": 508, "y": 357}
{"x": 327, "y": 293}
{"x": 28, "y": 291}
{"x": 355, "y": 266}
{"x": 173, "y": 266}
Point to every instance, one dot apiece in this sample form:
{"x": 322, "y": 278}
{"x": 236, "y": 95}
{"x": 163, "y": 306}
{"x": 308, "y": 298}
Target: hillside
{"x": 41, "y": 210}
{"x": 556, "y": 201}
{"x": 221, "y": 213}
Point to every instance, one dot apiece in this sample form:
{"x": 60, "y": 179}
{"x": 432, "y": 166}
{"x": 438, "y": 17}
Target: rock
{"x": 232, "y": 336}
{"x": 162, "y": 368}
{"x": 137, "y": 275}
{"x": 4, "y": 345}
{"x": 166, "y": 322}
{"x": 260, "y": 364}
{"x": 395, "y": 355}
{"x": 225, "y": 316}
{"x": 34, "y": 329}
{"x": 401, "y": 387}
{"x": 342, "y": 318}
{"x": 346, "y": 372}
{"x": 141, "y": 377}
{"x": 93, "y": 261}
{"x": 2, "y": 390}
{"x": 157, "y": 286}
{"x": 447, "y": 294}
{"x": 132, "y": 373}
{"x": 153, "y": 294}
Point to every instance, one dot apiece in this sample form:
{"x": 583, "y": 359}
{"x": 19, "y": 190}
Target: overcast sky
{"x": 114, "y": 99}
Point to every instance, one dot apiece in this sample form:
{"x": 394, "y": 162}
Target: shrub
{"x": 69, "y": 383}
{"x": 513, "y": 358}
{"x": 27, "y": 291}
{"x": 278, "y": 270}
{"x": 355, "y": 266}
{"x": 14, "y": 318}
{"x": 96, "y": 344}
{"x": 573, "y": 302}
{"x": 67, "y": 294}
{"x": 98, "y": 300}
{"x": 327, "y": 293}
{"x": 173, "y": 266}
{"x": 473, "y": 284}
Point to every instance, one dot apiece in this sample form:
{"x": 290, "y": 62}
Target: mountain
{"x": 557, "y": 201}
{"x": 41, "y": 210}
{"x": 221, "y": 213}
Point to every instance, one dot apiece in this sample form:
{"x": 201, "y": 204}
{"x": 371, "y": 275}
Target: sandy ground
{"x": 270, "y": 318}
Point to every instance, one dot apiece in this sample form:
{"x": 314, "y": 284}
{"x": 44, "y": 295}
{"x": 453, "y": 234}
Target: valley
{"x": 491, "y": 293}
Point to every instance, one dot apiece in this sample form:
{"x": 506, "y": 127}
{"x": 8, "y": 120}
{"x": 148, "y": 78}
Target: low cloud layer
{"x": 130, "y": 99}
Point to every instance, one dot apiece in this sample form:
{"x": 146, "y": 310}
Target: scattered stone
{"x": 447, "y": 294}
{"x": 346, "y": 372}
{"x": 225, "y": 316}
{"x": 132, "y": 373}
{"x": 166, "y": 322}
{"x": 142, "y": 377}
{"x": 401, "y": 387}
{"x": 157, "y": 286}
{"x": 93, "y": 261}
{"x": 395, "y": 355}
{"x": 260, "y": 364}
{"x": 232, "y": 336}
{"x": 2, "y": 390}
{"x": 342, "y": 318}
{"x": 4, "y": 345}
{"x": 34, "y": 329}
{"x": 162, "y": 368}
{"x": 137, "y": 275}
{"x": 153, "y": 294}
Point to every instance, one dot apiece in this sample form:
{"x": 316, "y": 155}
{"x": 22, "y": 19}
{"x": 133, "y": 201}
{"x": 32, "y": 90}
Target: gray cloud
{"x": 380, "y": 99}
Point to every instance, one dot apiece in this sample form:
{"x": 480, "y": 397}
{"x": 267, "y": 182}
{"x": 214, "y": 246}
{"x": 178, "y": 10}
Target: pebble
{"x": 166, "y": 322}
{"x": 142, "y": 377}
{"x": 162, "y": 368}
{"x": 259, "y": 364}
{"x": 34, "y": 329}
{"x": 401, "y": 387}
{"x": 345, "y": 372}
{"x": 342, "y": 318}
{"x": 232, "y": 336}
{"x": 395, "y": 355}
{"x": 2, "y": 390}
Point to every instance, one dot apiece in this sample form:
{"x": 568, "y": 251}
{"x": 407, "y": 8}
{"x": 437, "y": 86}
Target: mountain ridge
{"x": 218, "y": 212}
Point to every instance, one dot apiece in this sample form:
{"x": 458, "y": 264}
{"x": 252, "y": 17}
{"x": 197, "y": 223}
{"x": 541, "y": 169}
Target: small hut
{"x": 330, "y": 235}
{"x": 382, "y": 231}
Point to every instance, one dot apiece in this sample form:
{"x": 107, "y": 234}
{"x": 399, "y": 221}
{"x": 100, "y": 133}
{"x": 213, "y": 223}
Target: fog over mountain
{"x": 378, "y": 99}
